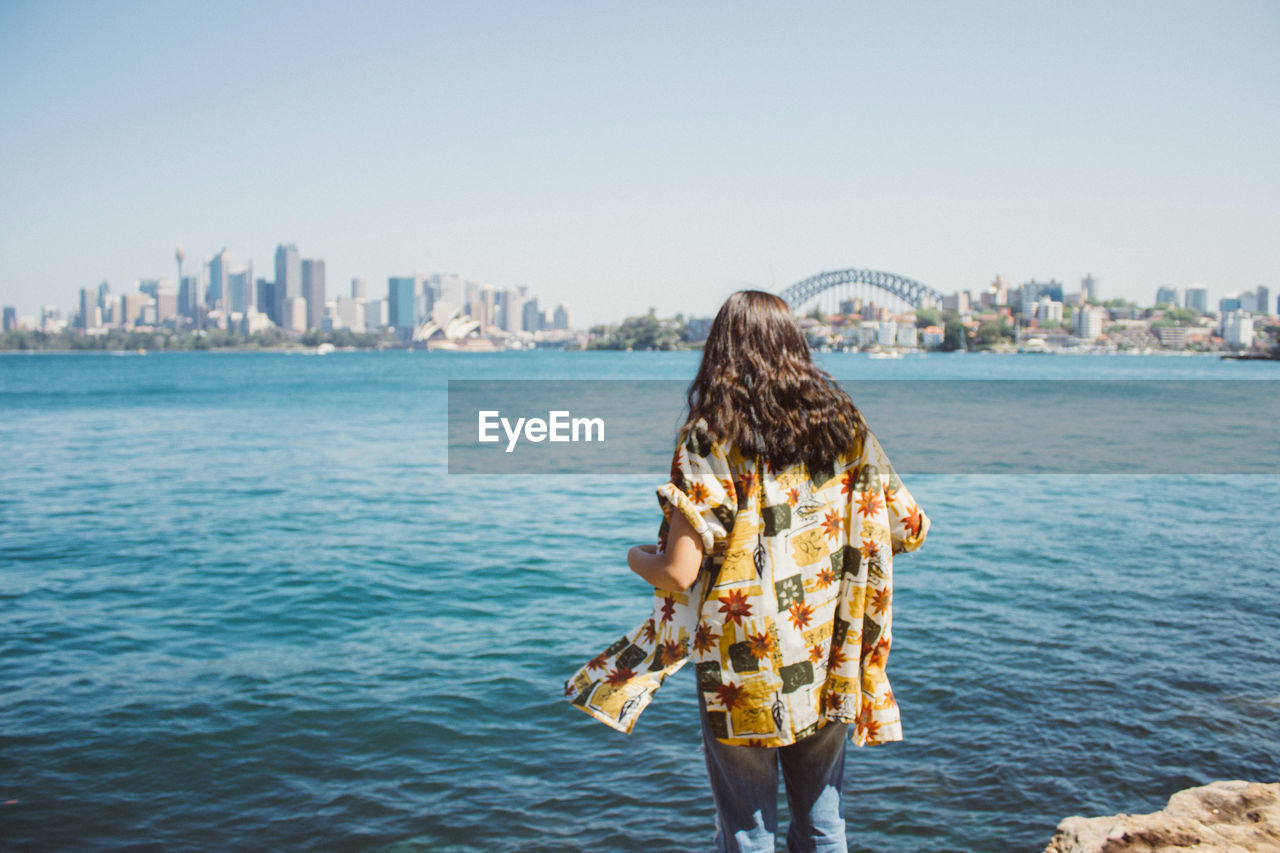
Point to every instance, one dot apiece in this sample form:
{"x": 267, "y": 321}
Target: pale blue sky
{"x": 625, "y": 155}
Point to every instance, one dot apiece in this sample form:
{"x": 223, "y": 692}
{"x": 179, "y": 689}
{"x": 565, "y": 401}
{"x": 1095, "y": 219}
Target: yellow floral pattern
{"x": 789, "y": 623}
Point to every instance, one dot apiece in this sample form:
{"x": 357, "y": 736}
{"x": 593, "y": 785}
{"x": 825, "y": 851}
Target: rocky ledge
{"x": 1225, "y": 817}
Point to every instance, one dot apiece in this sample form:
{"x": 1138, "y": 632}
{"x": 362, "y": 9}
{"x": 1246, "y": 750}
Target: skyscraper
{"x": 10, "y": 318}
{"x": 216, "y": 295}
{"x": 313, "y": 291}
{"x": 1264, "y": 299}
{"x": 1088, "y": 287}
{"x": 288, "y": 280}
{"x": 240, "y": 289}
{"x": 1167, "y": 296}
{"x": 1197, "y": 297}
{"x": 402, "y": 293}
{"x": 359, "y": 290}
{"x": 88, "y": 308}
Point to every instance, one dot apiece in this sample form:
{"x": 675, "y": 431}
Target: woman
{"x": 774, "y": 574}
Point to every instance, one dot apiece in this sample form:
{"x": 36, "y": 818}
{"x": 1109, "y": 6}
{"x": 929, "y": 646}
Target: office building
{"x": 288, "y": 282}
{"x": 166, "y": 300}
{"x": 189, "y": 296}
{"x": 1230, "y": 302}
{"x": 1167, "y": 296}
{"x": 359, "y": 289}
{"x": 1237, "y": 329}
{"x": 266, "y": 297}
{"x": 295, "y": 314}
{"x": 402, "y": 304}
{"x": 240, "y": 289}
{"x": 564, "y": 319}
{"x": 216, "y": 275}
{"x": 532, "y": 318}
{"x": 313, "y": 292}
{"x": 1172, "y": 337}
{"x": 1088, "y": 288}
{"x": 375, "y": 314}
{"x": 104, "y": 296}
{"x": 1088, "y": 321}
{"x": 10, "y": 318}
{"x": 1197, "y": 296}
{"x": 88, "y": 309}
{"x": 510, "y": 310}
{"x": 132, "y": 303}
{"x": 1264, "y": 299}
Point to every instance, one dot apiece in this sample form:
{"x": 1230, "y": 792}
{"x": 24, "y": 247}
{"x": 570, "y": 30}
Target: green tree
{"x": 953, "y": 336}
{"x": 927, "y": 317}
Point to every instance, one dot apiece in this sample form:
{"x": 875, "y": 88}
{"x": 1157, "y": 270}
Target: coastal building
{"x": 907, "y": 335}
{"x": 1172, "y": 337}
{"x": 189, "y": 296}
{"x": 1032, "y": 292}
{"x": 1197, "y": 296}
{"x": 1230, "y": 302}
{"x": 1167, "y": 296}
{"x": 1088, "y": 321}
{"x": 10, "y": 318}
{"x": 1048, "y": 311}
{"x": 886, "y": 333}
{"x": 1237, "y": 329}
{"x": 1264, "y": 299}
{"x": 359, "y": 289}
{"x": 375, "y": 314}
{"x": 313, "y": 291}
{"x": 510, "y": 310}
{"x": 288, "y": 281}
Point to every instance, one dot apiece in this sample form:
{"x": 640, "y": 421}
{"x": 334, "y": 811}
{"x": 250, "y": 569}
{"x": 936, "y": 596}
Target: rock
{"x": 1225, "y": 817}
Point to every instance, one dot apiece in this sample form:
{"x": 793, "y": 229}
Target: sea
{"x": 244, "y": 606}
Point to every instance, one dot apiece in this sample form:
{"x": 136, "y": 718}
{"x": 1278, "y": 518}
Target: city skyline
{"x": 619, "y": 159}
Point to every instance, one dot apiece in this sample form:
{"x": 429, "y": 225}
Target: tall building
{"x": 240, "y": 289}
{"x": 266, "y": 301}
{"x": 1167, "y": 296}
{"x": 1088, "y": 288}
{"x": 104, "y": 296}
{"x": 1088, "y": 320}
{"x": 313, "y": 292}
{"x": 532, "y": 320}
{"x": 88, "y": 309}
{"x": 295, "y": 314}
{"x": 189, "y": 296}
{"x": 1264, "y": 299}
{"x": 288, "y": 281}
{"x": 166, "y": 303}
{"x": 564, "y": 319}
{"x": 132, "y": 303}
{"x": 510, "y": 310}
{"x": 1237, "y": 329}
{"x": 216, "y": 273}
{"x": 359, "y": 289}
{"x": 1230, "y": 302}
{"x": 1197, "y": 296}
{"x": 402, "y": 304}
{"x": 10, "y": 318}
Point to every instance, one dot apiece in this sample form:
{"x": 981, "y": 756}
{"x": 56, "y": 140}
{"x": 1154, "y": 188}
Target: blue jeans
{"x": 744, "y": 782}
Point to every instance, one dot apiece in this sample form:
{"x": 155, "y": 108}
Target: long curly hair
{"x": 757, "y": 387}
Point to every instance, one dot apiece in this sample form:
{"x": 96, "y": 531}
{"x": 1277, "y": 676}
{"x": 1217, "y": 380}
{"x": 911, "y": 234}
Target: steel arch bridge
{"x": 908, "y": 290}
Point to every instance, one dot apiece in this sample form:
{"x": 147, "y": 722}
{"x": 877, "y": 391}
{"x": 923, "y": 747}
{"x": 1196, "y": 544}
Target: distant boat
{"x": 324, "y": 348}
{"x": 886, "y": 355}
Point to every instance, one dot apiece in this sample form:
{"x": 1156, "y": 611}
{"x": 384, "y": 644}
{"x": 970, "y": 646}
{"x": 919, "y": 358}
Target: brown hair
{"x": 757, "y": 387}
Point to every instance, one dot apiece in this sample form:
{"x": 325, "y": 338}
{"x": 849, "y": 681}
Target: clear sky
{"x": 618, "y": 156}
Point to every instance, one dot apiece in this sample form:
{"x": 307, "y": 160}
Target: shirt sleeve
{"x": 701, "y": 488}
{"x": 908, "y": 525}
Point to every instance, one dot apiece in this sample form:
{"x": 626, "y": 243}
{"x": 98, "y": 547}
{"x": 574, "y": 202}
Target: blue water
{"x": 242, "y": 606}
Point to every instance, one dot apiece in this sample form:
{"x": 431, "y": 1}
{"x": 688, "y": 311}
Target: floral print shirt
{"x": 789, "y": 622}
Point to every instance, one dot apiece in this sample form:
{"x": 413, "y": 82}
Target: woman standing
{"x": 774, "y": 571}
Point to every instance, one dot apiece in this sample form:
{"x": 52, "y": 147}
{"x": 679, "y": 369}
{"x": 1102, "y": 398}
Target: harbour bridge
{"x": 828, "y": 289}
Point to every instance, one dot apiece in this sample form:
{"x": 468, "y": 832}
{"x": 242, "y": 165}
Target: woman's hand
{"x": 676, "y": 568}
